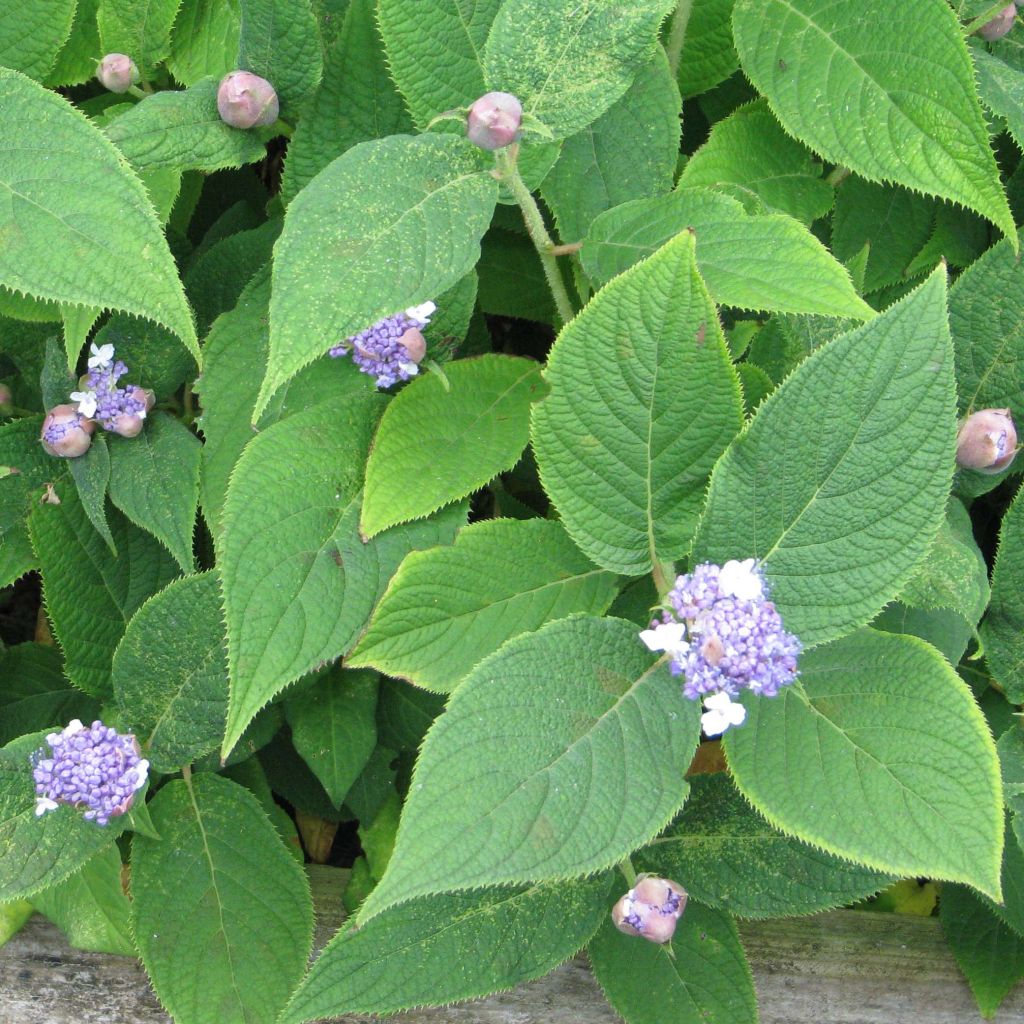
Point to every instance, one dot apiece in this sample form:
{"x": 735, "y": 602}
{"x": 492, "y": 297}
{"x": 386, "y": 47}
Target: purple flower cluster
{"x": 104, "y": 400}
{"x": 93, "y": 766}
{"x": 650, "y": 909}
{"x": 391, "y": 349}
{"x": 66, "y": 432}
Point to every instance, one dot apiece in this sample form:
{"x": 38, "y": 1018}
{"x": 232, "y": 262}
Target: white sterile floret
{"x": 720, "y": 713}
{"x": 421, "y": 312}
{"x": 741, "y": 580}
{"x": 666, "y": 636}
{"x": 86, "y": 402}
{"x": 410, "y": 368}
{"x": 44, "y": 804}
{"x": 102, "y": 356}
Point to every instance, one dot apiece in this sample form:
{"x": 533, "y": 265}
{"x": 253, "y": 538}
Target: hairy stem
{"x": 677, "y": 35}
{"x": 626, "y": 867}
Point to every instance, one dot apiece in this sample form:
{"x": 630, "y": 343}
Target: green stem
{"x": 506, "y": 161}
{"x": 983, "y": 19}
{"x": 837, "y": 175}
{"x": 626, "y": 867}
{"x": 189, "y": 412}
{"x": 134, "y": 90}
{"x": 677, "y": 35}
{"x": 664, "y": 576}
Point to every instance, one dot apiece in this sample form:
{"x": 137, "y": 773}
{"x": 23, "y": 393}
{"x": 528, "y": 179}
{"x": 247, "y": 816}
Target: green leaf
{"x": 750, "y": 157}
{"x": 732, "y": 859}
{"x": 629, "y": 152}
{"x": 708, "y": 56}
{"x": 823, "y": 65}
{"x": 846, "y": 760}
{"x": 85, "y": 233}
{"x": 754, "y": 262}
{"x": 78, "y": 324}
{"x": 624, "y": 444}
{"x": 946, "y": 630}
{"x": 170, "y": 673}
{"x": 90, "y": 906}
{"x": 1002, "y": 631}
{"x": 447, "y": 608}
{"x": 389, "y": 224}
{"x": 839, "y": 484}
{"x": 405, "y": 713}
{"x": 154, "y": 480}
{"x": 990, "y": 954}
{"x": 703, "y": 980}
{"x": 36, "y": 853}
{"x": 356, "y": 101}
{"x": 279, "y": 40}
{"x": 334, "y": 727}
{"x": 76, "y": 62}
{"x": 31, "y": 36}
{"x": 89, "y": 595}
{"x": 183, "y": 130}
{"x": 588, "y": 710}
{"x": 439, "y": 441}
{"x": 156, "y": 358}
{"x": 434, "y": 51}
{"x": 91, "y": 473}
{"x": 139, "y": 28}
{"x": 756, "y": 385}
{"x": 569, "y": 62}
{"x": 205, "y": 40}
{"x": 1001, "y": 88}
{"x": 498, "y": 938}
{"x": 222, "y": 936}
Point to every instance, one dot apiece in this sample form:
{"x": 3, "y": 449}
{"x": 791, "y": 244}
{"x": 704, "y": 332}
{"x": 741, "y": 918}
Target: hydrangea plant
{"x": 569, "y": 458}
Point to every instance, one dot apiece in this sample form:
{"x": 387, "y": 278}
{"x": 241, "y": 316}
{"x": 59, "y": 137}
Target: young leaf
{"x": 76, "y": 62}
{"x": 448, "y": 608}
{"x": 205, "y": 40}
{"x": 1003, "y": 629}
{"x": 154, "y": 480}
{"x": 91, "y": 473}
{"x": 170, "y": 673}
{"x": 222, "y": 936}
{"x": 706, "y": 980}
{"x": 85, "y": 233}
{"x": 624, "y": 442}
{"x": 840, "y": 482}
{"x": 31, "y": 34}
{"x": 603, "y": 741}
{"x": 499, "y": 938}
{"x": 569, "y": 62}
{"x": 755, "y": 262}
{"x": 441, "y": 440}
{"x": 139, "y": 28}
{"x": 822, "y": 65}
{"x": 848, "y": 760}
{"x": 389, "y": 224}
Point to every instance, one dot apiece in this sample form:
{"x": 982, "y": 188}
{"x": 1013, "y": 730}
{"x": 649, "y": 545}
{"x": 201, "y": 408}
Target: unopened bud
{"x": 117, "y": 72}
{"x": 245, "y": 100}
{"x": 66, "y": 432}
{"x": 987, "y": 441}
{"x": 650, "y": 909}
{"x": 1000, "y": 25}
{"x": 494, "y": 120}
{"x": 414, "y": 343}
{"x": 129, "y": 424}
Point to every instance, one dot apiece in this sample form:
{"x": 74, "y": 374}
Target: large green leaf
{"x": 139, "y": 28}
{"x": 1003, "y": 628}
{"x": 85, "y": 232}
{"x": 31, "y": 35}
{"x": 170, "y": 673}
{"x": 499, "y": 938}
{"x": 880, "y": 755}
{"x": 731, "y": 858}
{"x": 568, "y": 62}
{"x": 702, "y": 979}
{"x": 220, "y": 910}
{"x": 435, "y": 50}
{"x": 1002, "y": 90}
{"x": 624, "y": 442}
{"x": 447, "y": 608}
{"x": 708, "y": 56}
{"x": 76, "y": 62}
{"x": 840, "y": 79}
{"x": 756, "y": 262}
{"x": 389, "y": 224}
{"x": 205, "y": 40}
{"x": 839, "y": 484}
{"x": 440, "y": 440}
{"x": 602, "y": 743}
{"x": 183, "y": 130}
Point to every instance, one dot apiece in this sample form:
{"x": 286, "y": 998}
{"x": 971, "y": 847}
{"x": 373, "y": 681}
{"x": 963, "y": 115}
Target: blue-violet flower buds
{"x": 391, "y": 349}
{"x": 1000, "y": 25}
{"x": 117, "y": 72}
{"x": 245, "y": 100}
{"x": 92, "y": 767}
{"x": 987, "y": 441}
{"x": 493, "y": 120}
{"x": 66, "y": 432}
{"x": 651, "y": 909}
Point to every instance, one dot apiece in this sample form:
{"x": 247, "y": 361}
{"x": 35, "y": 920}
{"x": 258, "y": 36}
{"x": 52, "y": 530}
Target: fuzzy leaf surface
{"x": 603, "y": 742}
{"x": 624, "y": 444}
{"x": 139, "y": 28}
{"x": 1001, "y": 88}
{"x": 32, "y": 34}
{"x": 205, "y": 40}
{"x": 708, "y": 55}
{"x": 1003, "y": 628}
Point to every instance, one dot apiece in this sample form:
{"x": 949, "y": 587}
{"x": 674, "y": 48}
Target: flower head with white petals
{"x": 85, "y": 402}
{"x": 102, "y": 357}
{"x": 720, "y": 713}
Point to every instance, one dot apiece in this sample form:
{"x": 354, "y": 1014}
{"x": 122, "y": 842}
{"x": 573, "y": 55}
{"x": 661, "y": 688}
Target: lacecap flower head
{"x": 723, "y": 635}
{"x": 120, "y": 410}
{"x": 391, "y": 349}
{"x": 92, "y": 767}
{"x": 650, "y": 909}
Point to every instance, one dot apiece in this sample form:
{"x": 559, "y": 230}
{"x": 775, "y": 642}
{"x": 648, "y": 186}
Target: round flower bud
{"x": 66, "y": 432}
{"x": 245, "y": 100}
{"x": 117, "y": 72}
{"x": 493, "y": 120}
{"x": 987, "y": 441}
{"x": 650, "y": 909}
{"x": 129, "y": 423}
{"x": 663, "y": 895}
{"x": 414, "y": 343}
{"x": 1000, "y": 24}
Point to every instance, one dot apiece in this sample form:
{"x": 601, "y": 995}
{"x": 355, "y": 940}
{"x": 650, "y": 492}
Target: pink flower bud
{"x": 1000, "y": 24}
{"x": 66, "y": 432}
{"x": 987, "y": 441}
{"x": 117, "y": 72}
{"x": 650, "y": 909}
{"x": 493, "y": 120}
{"x": 129, "y": 424}
{"x": 245, "y": 100}
{"x": 414, "y": 343}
